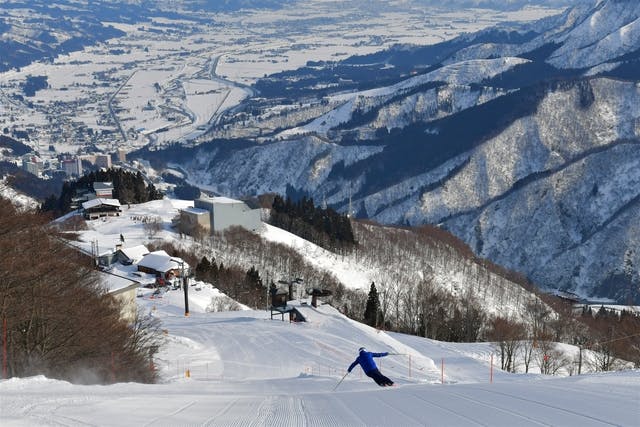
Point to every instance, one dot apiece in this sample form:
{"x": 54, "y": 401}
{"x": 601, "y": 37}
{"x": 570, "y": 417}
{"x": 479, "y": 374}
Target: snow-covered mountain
{"x": 556, "y": 194}
{"x": 521, "y": 139}
{"x": 583, "y": 37}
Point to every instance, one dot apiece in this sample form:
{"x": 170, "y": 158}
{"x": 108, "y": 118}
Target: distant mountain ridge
{"x": 522, "y": 140}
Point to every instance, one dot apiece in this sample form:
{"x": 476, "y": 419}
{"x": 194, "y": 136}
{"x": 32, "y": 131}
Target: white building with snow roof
{"x": 163, "y": 265}
{"x": 98, "y": 208}
{"x": 124, "y": 290}
{"x": 131, "y": 255}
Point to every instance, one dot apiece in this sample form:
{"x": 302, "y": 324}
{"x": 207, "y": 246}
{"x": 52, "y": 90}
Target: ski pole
{"x": 340, "y": 382}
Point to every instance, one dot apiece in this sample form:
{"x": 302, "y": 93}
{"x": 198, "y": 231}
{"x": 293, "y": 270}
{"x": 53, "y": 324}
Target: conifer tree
{"x": 373, "y": 307}
{"x": 203, "y": 268}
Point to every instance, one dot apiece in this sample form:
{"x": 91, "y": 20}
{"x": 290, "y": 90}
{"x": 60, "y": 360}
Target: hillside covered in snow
{"x": 402, "y": 263}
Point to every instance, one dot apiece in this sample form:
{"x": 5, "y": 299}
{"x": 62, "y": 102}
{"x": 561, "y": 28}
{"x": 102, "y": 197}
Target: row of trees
{"x": 324, "y": 227}
{"x": 128, "y": 187}
{"x": 605, "y": 339}
{"x": 244, "y": 286}
{"x": 57, "y": 320}
{"x": 425, "y": 310}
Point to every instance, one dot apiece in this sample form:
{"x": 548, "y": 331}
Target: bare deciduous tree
{"x": 222, "y": 303}
{"x": 551, "y": 359}
{"x": 508, "y": 336}
{"x": 60, "y": 322}
{"x": 152, "y": 226}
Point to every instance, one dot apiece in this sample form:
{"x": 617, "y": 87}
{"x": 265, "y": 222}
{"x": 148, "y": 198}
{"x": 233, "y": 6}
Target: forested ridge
{"x": 128, "y": 187}
{"x": 323, "y": 226}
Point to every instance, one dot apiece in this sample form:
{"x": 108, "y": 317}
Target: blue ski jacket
{"x": 365, "y": 359}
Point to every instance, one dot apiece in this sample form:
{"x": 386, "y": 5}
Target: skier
{"x": 365, "y": 359}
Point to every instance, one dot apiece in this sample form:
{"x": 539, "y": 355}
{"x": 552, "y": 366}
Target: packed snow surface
{"x": 247, "y": 369}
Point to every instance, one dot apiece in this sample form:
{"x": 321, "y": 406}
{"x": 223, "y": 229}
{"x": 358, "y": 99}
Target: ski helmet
{"x": 361, "y": 349}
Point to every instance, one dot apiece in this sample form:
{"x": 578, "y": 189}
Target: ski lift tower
{"x": 290, "y": 283}
{"x": 185, "y": 284}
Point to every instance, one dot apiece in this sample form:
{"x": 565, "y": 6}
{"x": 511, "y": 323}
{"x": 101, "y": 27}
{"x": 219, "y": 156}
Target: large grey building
{"x": 225, "y": 212}
{"x": 193, "y": 220}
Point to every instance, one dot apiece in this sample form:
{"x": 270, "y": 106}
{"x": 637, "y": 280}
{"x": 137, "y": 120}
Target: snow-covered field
{"x": 166, "y": 86}
{"x": 243, "y": 368}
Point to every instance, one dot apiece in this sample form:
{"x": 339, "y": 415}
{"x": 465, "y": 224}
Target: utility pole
{"x": 185, "y": 284}
{"x": 185, "y": 281}
{"x": 267, "y": 288}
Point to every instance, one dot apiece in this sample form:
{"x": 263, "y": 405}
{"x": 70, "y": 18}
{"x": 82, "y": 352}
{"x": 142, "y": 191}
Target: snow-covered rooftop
{"x": 221, "y": 200}
{"x": 99, "y": 201}
{"x": 115, "y": 283}
{"x": 196, "y": 211}
{"x": 163, "y": 262}
{"x": 135, "y": 253}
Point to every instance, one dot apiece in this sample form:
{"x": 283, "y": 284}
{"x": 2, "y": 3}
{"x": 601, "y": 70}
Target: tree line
{"x": 606, "y": 339}
{"x": 244, "y": 286}
{"x": 56, "y": 317}
{"x": 427, "y": 311}
{"x": 323, "y": 226}
{"x": 128, "y": 187}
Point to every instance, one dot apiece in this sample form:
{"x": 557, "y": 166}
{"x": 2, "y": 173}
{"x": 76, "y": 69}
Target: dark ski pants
{"x": 380, "y": 379}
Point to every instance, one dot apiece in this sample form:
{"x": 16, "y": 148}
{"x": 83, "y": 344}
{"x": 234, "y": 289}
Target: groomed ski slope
{"x": 248, "y": 370}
